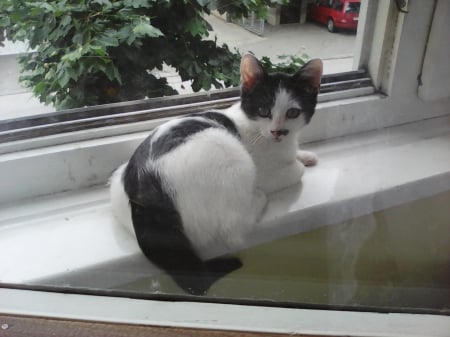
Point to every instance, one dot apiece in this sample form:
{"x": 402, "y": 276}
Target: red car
{"x": 335, "y": 13}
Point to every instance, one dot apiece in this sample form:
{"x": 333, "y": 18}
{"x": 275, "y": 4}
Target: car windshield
{"x": 352, "y": 7}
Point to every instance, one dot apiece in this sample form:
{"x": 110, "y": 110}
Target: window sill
{"x": 219, "y": 316}
{"x": 356, "y": 175}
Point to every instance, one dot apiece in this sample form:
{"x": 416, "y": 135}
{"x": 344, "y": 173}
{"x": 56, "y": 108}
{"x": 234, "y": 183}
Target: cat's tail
{"x": 198, "y": 282}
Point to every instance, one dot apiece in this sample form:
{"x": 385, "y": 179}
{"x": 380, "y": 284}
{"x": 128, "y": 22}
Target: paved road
{"x": 309, "y": 38}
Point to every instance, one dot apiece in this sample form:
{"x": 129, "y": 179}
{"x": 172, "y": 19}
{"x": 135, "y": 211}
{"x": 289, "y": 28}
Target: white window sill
{"x": 67, "y": 234}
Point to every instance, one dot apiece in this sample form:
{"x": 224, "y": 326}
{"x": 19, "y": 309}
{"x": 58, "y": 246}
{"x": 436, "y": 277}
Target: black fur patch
{"x": 178, "y": 134}
{"x": 222, "y": 120}
{"x": 142, "y": 185}
{"x": 262, "y": 95}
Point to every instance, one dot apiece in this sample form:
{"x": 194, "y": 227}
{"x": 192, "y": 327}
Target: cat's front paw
{"x": 260, "y": 202}
{"x": 307, "y": 158}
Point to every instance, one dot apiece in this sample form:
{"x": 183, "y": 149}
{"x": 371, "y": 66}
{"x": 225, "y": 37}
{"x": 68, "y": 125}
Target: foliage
{"x": 242, "y": 8}
{"x": 91, "y": 52}
{"x": 288, "y": 64}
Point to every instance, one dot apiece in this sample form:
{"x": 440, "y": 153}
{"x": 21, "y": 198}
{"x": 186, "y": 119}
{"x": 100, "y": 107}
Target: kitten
{"x": 201, "y": 181}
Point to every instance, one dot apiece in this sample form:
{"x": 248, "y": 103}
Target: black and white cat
{"x": 201, "y": 180}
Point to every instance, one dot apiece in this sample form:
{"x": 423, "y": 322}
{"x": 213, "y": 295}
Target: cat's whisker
{"x": 252, "y": 138}
{"x": 260, "y": 136}
{"x": 256, "y": 138}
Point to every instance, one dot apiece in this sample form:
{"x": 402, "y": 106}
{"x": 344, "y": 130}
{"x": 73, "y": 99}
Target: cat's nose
{"x": 278, "y": 133}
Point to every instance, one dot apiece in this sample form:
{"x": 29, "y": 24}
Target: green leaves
{"x": 42, "y": 5}
{"x": 64, "y": 79}
{"x": 108, "y": 38}
{"x": 144, "y": 29}
{"x": 101, "y": 51}
{"x": 238, "y": 9}
{"x": 102, "y": 2}
{"x": 287, "y": 64}
{"x": 73, "y": 56}
{"x": 197, "y": 26}
{"x": 136, "y": 3}
{"x": 65, "y": 21}
{"x": 4, "y": 21}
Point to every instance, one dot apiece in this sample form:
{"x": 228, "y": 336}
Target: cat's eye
{"x": 264, "y": 112}
{"x": 293, "y": 113}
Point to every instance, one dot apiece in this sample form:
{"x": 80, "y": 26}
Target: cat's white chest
{"x": 276, "y": 165}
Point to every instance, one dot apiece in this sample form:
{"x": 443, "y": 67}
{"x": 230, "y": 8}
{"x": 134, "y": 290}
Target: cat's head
{"x": 278, "y": 103}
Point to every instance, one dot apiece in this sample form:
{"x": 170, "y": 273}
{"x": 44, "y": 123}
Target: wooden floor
{"x": 19, "y": 326}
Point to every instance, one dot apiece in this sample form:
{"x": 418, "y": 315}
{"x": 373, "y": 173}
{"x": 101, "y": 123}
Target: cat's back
{"x": 190, "y": 147}
{"x": 196, "y": 149}
{"x": 180, "y": 133}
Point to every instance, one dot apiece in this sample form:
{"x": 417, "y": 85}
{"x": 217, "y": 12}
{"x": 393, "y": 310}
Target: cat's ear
{"x": 311, "y": 73}
{"x": 251, "y": 71}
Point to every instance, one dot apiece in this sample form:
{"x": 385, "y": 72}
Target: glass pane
{"x": 393, "y": 260}
{"x": 104, "y": 72}
{"x": 352, "y": 7}
{"x": 365, "y": 227}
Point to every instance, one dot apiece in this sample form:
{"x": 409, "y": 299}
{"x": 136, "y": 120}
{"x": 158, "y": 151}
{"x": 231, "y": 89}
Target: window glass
{"x": 338, "y": 5}
{"x": 352, "y": 7}
{"x": 366, "y": 229}
{"x": 109, "y": 68}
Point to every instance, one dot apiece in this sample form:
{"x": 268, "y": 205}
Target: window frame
{"x": 354, "y": 83}
{"x": 225, "y": 317}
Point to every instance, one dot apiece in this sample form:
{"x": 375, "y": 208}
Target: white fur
{"x": 119, "y": 200}
{"x": 214, "y": 179}
{"x": 283, "y": 102}
{"x": 307, "y": 158}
